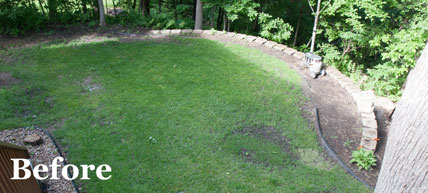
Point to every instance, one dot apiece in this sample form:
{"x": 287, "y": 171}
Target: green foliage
{"x": 274, "y": 29}
{"x": 379, "y": 38}
{"x": 155, "y": 20}
{"x": 16, "y": 20}
{"x": 363, "y": 159}
{"x": 246, "y": 8}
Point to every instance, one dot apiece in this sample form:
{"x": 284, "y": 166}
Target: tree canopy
{"x": 375, "y": 42}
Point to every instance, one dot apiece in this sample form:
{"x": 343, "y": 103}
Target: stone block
{"x": 365, "y": 106}
{"x": 369, "y": 123}
{"x": 290, "y": 51}
{"x": 280, "y": 47}
{"x": 368, "y": 144}
{"x": 352, "y": 88}
{"x": 33, "y": 139}
{"x": 165, "y": 31}
{"x": 230, "y": 34}
{"x": 344, "y": 81}
{"x": 368, "y": 115}
{"x": 384, "y": 107}
{"x": 270, "y": 44}
{"x": 370, "y": 133}
{"x": 197, "y": 31}
{"x": 153, "y": 32}
{"x": 240, "y": 36}
{"x": 251, "y": 38}
{"x": 260, "y": 41}
{"x": 299, "y": 55}
{"x": 186, "y": 31}
{"x": 176, "y": 31}
{"x": 368, "y": 95}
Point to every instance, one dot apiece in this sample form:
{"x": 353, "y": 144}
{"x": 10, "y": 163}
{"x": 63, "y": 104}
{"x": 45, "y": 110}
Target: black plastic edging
{"x": 60, "y": 154}
{"x": 332, "y": 153}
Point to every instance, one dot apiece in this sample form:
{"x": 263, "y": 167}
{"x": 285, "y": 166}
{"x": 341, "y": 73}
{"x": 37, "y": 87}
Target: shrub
{"x": 364, "y": 159}
{"x": 16, "y": 20}
{"x": 274, "y": 29}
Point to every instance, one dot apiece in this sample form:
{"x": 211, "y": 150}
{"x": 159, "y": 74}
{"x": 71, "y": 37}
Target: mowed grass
{"x": 169, "y": 116}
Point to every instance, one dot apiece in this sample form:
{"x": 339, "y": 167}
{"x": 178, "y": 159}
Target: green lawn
{"x": 193, "y": 97}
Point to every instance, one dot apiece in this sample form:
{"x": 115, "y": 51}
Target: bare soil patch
{"x": 267, "y": 133}
{"x": 6, "y": 79}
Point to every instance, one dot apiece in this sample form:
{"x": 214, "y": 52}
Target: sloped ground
{"x": 339, "y": 118}
{"x": 252, "y": 128}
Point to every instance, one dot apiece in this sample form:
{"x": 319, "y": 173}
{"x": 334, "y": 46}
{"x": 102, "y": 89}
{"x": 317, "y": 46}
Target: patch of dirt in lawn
{"x": 263, "y": 133}
{"x": 267, "y": 133}
{"x": 89, "y": 85}
{"x": 6, "y": 79}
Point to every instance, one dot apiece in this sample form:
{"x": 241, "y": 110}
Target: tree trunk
{"x": 199, "y": 15}
{"x": 52, "y": 6}
{"x": 405, "y": 165}
{"x": 314, "y": 32}
{"x": 219, "y": 18}
{"x": 114, "y": 8}
{"x": 175, "y": 10}
{"x": 224, "y": 22}
{"x": 297, "y": 28}
{"x": 134, "y": 4}
{"x": 144, "y": 7}
{"x": 194, "y": 10}
{"x": 160, "y": 5}
{"x": 101, "y": 10}
{"x": 106, "y": 7}
{"x": 41, "y": 6}
{"x": 212, "y": 16}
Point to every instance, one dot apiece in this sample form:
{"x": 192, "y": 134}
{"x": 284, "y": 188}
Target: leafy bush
{"x": 16, "y": 20}
{"x": 364, "y": 159}
{"x": 274, "y": 29}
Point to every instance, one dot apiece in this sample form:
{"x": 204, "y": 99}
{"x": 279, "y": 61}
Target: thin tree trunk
{"x": 114, "y": 7}
{"x": 160, "y": 6}
{"x": 146, "y": 7}
{"x": 41, "y": 7}
{"x": 314, "y": 32}
{"x": 194, "y": 10}
{"x": 405, "y": 165}
{"x": 199, "y": 15}
{"x": 297, "y": 28}
{"x": 175, "y": 10}
{"x": 106, "y": 9}
{"x": 224, "y": 22}
{"x": 219, "y": 18}
{"x": 101, "y": 10}
{"x": 212, "y": 16}
{"x": 134, "y": 4}
{"x": 228, "y": 25}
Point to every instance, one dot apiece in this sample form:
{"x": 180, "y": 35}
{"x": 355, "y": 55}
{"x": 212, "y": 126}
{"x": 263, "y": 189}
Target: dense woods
{"x": 375, "y": 42}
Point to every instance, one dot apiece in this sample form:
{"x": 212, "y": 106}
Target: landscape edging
{"x": 364, "y": 100}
